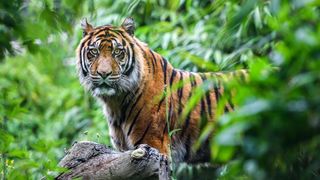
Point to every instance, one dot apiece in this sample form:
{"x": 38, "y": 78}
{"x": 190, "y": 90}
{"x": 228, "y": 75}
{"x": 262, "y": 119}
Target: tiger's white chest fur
{"x": 117, "y": 134}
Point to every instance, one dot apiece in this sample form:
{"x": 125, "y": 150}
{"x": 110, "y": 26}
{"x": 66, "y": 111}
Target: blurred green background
{"x": 274, "y": 134}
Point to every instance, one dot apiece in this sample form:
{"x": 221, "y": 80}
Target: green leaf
{"x": 173, "y": 132}
{"x": 5, "y": 140}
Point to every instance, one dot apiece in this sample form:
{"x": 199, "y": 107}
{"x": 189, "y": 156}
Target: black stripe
{"x": 217, "y": 94}
{"x": 180, "y": 93}
{"x": 128, "y": 72}
{"x": 83, "y": 69}
{"x": 148, "y": 64}
{"x": 104, "y": 40}
{"x": 187, "y": 121}
{"x": 202, "y": 103}
{"x": 129, "y": 93}
{"x": 143, "y": 135}
{"x": 203, "y": 77}
{"x": 102, "y": 28}
{"x": 133, "y": 122}
{"x": 230, "y": 104}
{"x": 124, "y": 42}
{"x": 120, "y": 33}
{"x": 203, "y": 117}
{"x": 117, "y": 31}
{"x": 169, "y": 120}
{"x": 208, "y": 103}
{"x": 187, "y": 147}
{"x": 160, "y": 103}
{"x": 186, "y": 124}
{"x": 202, "y": 108}
{"x": 207, "y": 94}
{"x": 153, "y": 60}
{"x": 99, "y": 31}
{"x": 144, "y": 55}
{"x": 164, "y": 69}
{"x": 113, "y": 39}
{"x": 133, "y": 106}
{"x": 122, "y": 119}
{"x": 165, "y": 129}
{"x": 173, "y": 74}
{"x": 216, "y": 89}
{"x": 129, "y": 61}
{"x": 85, "y": 43}
{"x": 101, "y": 36}
{"x": 170, "y": 109}
{"x": 109, "y": 40}
{"x": 113, "y": 34}
{"x": 192, "y": 80}
{"x": 164, "y": 133}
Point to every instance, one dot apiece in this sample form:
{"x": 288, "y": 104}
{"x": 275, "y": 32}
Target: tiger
{"x": 126, "y": 76}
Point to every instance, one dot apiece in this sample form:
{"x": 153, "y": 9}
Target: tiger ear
{"x": 86, "y": 27}
{"x": 128, "y": 25}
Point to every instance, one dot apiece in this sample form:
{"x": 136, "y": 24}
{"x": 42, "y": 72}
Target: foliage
{"x": 273, "y": 134}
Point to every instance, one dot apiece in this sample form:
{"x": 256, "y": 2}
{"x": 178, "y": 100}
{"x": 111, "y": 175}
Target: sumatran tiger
{"x": 127, "y": 76}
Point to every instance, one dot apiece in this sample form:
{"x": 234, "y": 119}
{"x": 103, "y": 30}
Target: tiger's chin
{"x": 104, "y": 92}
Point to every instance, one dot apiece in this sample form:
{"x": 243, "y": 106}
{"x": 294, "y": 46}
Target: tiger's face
{"x": 106, "y": 59}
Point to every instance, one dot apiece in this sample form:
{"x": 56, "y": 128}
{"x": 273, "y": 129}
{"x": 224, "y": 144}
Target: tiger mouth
{"x": 106, "y": 83}
{"x": 104, "y": 86}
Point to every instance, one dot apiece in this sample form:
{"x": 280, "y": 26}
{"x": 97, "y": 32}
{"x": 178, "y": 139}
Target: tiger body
{"x": 130, "y": 85}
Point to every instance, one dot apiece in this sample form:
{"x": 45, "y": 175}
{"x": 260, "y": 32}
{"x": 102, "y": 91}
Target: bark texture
{"x": 90, "y": 160}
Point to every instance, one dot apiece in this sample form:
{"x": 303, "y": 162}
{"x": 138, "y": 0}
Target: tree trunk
{"x": 90, "y": 160}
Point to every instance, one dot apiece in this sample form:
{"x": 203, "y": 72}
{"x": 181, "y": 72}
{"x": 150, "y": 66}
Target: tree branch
{"x": 91, "y": 160}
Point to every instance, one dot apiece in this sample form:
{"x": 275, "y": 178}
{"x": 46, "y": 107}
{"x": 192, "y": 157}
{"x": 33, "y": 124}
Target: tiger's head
{"x": 107, "y": 62}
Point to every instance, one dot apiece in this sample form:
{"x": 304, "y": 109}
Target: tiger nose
{"x": 104, "y": 74}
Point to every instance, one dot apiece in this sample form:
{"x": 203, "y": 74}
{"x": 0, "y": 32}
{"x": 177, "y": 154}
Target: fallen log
{"x": 90, "y": 160}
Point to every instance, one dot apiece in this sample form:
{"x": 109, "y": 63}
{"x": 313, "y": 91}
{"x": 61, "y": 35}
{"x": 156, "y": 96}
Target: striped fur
{"x": 131, "y": 95}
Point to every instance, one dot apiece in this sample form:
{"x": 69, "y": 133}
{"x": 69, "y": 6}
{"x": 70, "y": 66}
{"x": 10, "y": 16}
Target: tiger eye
{"x": 117, "y": 51}
{"x": 94, "y": 51}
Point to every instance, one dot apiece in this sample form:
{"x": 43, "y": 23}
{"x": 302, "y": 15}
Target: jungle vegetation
{"x": 273, "y": 134}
